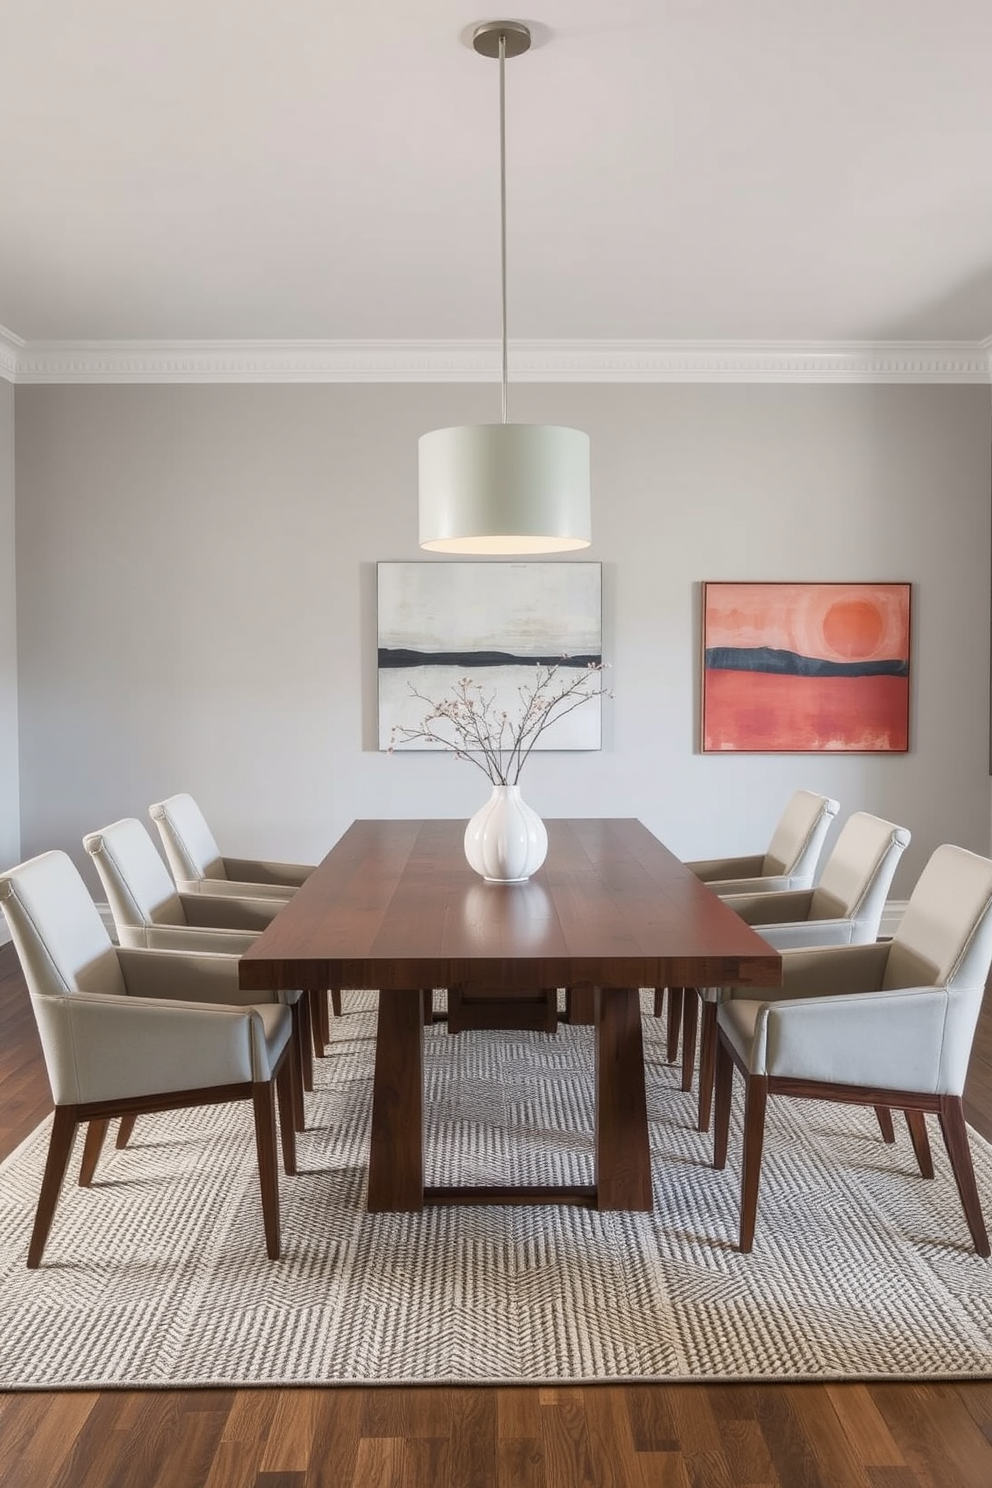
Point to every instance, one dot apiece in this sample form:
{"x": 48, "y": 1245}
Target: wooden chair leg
{"x": 917, "y": 1123}
{"x": 336, "y": 1001}
{"x": 314, "y": 1000}
{"x": 690, "y": 1020}
{"x": 707, "y": 1064}
{"x": 302, "y": 1020}
{"x": 96, "y": 1131}
{"x": 724, "y": 1096}
{"x": 125, "y": 1131}
{"x": 659, "y": 1001}
{"x": 955, "y": 1134}
{"x": 300, "y": 1038}
{"x": 285, "y": 1094}
{"x": 268, "y": 1173}
{"x": 59, "y": 1152}
{"x": 427, "y": 993}
{"x": 755, "y": 1101}
{"x": 674, "y": 1022}
{"x": 885, "y": 1126}
{"x": 325, "y": 1021}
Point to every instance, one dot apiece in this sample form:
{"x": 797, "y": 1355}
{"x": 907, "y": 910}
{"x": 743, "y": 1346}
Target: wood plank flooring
{"x": 607, "y": 1436}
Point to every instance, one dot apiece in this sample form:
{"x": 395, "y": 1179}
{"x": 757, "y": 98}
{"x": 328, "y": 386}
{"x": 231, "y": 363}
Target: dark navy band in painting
{"x": 792, "y": 664}
{"x": 404, "y": 657}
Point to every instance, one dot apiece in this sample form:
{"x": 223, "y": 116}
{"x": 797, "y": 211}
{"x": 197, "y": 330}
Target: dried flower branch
{"x": 473, "y": 727}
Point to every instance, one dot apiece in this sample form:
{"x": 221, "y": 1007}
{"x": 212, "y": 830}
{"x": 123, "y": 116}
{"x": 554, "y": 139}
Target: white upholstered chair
{"x": 845, "y": 908}
{"x": 150, "y": 913}
{"x": 199, "y": 867}
{"x": 789, "y": 862}
{"x": 889, "y": 1025}
{"x": 791, "y": 857}
{"x": 127, "y": 1031}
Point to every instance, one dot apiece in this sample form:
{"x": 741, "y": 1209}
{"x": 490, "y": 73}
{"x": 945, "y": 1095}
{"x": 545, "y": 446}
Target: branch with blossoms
{"x": 473, "y": 727}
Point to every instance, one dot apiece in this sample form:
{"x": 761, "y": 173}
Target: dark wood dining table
{"x": 394, "y": 907}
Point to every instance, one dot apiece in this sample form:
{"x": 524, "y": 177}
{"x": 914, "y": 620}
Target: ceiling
{"x": 702, "y": 170}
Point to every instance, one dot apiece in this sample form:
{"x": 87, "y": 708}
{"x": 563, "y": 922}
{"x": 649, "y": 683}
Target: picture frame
{"x": 439, "y": 622}
{"x": 797, "y": 668}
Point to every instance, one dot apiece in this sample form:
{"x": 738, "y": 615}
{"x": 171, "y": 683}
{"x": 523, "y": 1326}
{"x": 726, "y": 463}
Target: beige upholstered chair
{"x": 150, "y": 913}
{"x": 889, "y": 1025}
{"x": 789, "y": 863}
{"x": 128, "y": 1031}
{"x": 199, "y": 867}
{"x": 792, "y": 855}
{"x": 845, "y": 908}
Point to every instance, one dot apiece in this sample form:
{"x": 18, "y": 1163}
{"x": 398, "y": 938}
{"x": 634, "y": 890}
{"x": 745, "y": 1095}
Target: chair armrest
{"x": 187, "y": 938}
{"x": 891, "y": 1040}
{"x": 104, "y": 1047}
{"x": 770, "y": 909}
{"x": 181, "y": 976}
{"x": 772, "y": 884}
{"x": 277, "y": 875}
{"x": 229, "y": 912}
{"x": 730, "y": 868}
{"x": 809, "y": 934}
{"x": 239, "y": 889}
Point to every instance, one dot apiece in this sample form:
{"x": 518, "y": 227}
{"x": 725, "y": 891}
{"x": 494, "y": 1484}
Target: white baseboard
{"x": 892, "y": 916}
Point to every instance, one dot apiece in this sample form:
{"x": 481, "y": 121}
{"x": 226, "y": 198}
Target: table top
{"x": 395, "y": 905}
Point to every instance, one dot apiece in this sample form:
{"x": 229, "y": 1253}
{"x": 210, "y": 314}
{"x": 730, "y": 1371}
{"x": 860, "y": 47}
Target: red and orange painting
{"x": 805, "y": 667}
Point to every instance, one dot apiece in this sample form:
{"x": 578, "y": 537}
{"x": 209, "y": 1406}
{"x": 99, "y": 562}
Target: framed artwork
{"x": 493, "y": 622}
{"x": 801, "y": 668}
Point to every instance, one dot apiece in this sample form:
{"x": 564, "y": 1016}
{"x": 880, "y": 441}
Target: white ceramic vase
{"x": 506, "y": 841}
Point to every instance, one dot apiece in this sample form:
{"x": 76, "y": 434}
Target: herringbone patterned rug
{"x": 157, "y": 1275}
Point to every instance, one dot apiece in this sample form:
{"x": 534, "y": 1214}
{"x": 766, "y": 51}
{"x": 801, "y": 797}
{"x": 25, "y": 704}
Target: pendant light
{"x": 504, "y": 488}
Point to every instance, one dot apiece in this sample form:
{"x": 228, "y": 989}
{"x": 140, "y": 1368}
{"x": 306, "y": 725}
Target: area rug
{"x": 157, "y": 1275}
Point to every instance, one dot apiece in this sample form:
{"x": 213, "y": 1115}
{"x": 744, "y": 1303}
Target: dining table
{"x": 395, "y": 908}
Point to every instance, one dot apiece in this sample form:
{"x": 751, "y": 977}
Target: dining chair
{"x": 150, "y": 913}
{"x": 789, "y": 862}
{"x": 126, "y": 1032}
{"x": 888, "y": 1024}
{"x": 845, "y": 908}
{"x": 199, "y": 867}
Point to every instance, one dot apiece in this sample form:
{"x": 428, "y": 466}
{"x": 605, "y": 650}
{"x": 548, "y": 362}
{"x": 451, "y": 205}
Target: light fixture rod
{"x": 502, "y": 204}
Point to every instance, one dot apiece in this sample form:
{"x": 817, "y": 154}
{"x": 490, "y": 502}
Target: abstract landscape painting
{"x": 804, "y": 667}
{"x": 493, "y": 622}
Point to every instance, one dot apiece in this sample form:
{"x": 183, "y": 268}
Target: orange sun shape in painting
{"x": 853, "y": 628}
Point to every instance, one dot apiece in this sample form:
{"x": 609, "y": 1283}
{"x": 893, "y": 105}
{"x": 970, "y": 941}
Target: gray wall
{"x": 10, "y": 845}
{"x": 197, "y": 599}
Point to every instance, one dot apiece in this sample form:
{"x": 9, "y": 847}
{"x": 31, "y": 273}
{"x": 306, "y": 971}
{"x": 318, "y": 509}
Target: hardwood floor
{"x": 607, "y": 1436}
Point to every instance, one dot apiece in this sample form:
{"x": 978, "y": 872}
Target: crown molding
{"x": 27, "y": 362}
{"x": 10, "y": 349}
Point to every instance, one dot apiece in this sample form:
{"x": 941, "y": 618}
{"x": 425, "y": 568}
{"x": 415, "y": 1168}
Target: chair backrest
{"x": 797, "y": 842}
{"x": 135, "y": 880}
{"x": 945, "y": 937}
{"x": 61, "y": 940}
{"x": 945, "y": 940}
{"x": 189, "y": 844}
{"x": 858, "y": 874}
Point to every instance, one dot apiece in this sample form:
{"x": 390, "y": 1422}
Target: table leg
{"x": 623, "y": 1153}
{"x": 580, "y": 1005}
{"x": 396, "y": 1152}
